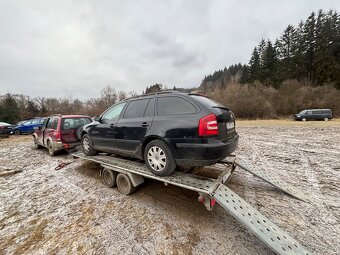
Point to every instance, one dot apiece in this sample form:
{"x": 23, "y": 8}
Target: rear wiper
{"x": 221, "y": 107}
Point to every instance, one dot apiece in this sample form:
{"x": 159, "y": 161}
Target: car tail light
{"x": 208, "y": 125}
{"x": 57, "y": 135}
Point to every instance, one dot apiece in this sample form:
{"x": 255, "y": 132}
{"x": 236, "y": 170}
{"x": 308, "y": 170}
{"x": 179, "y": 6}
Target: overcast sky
{"x": 62, "y": 48}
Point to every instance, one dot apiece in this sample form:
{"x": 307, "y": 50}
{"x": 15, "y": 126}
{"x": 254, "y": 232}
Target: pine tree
{"x": 309, "y": 42}
{"x": 10, "y": 110}
{"x": 254, "y": 66}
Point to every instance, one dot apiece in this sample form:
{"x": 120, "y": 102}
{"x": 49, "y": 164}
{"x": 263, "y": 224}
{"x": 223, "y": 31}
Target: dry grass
{"x": 287, "y": 122}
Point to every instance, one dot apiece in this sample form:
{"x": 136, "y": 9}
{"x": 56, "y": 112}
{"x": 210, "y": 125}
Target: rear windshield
{"x": 74, "y": 123}
{"x": 206, "y": 101}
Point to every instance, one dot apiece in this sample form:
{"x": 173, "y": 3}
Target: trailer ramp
{"x": 274, "y": 237}
{"x": 249, "y": 167}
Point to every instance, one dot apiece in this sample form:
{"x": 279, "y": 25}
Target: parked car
{"x": 314, "y": 114}
{"x": 27, "y": 126}
{"x": 58, "y": 132}
{"x": 165, "y": 129}
{"x": 5, "y": 128}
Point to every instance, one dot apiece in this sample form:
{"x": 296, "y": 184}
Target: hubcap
{"x": 86, "y": 144}
{"x": 156, "y": 158}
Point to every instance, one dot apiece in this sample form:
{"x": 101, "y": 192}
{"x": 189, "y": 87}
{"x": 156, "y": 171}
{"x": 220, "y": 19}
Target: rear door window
{"x": 174, "y": 105}
{"x": 136, "y": 108}
{"x": 150, "y": 109}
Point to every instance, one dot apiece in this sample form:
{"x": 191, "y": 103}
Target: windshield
{"x": 302, "y": 112}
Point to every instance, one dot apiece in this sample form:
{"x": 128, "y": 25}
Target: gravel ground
{"x": 44, "y": 211}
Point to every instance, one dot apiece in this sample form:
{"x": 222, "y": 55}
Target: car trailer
{"x": 210, "y": 182}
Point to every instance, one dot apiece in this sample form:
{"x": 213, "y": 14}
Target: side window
{"x": 55, "y": 123}
{"x": 52, "y": 123}
{"x": 44, "y": 123}
{"x": 113, "y": 113}
{"x": 35, "y": 122}
{"x": 150, "y": 109}
{"x": 49, "y": 123}
{"x": 174, "y": 105}
{"x": 135, "y": 108}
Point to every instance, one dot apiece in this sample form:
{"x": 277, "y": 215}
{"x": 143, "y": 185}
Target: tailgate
{"x": 226, "y": 123}
{"x": 69, "y": 136}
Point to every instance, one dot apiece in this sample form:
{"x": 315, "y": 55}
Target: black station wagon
{"x": 165, "y": 129}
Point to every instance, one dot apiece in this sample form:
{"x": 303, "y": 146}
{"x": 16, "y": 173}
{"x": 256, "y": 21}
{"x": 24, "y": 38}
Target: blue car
{"x": 27, "y": 126}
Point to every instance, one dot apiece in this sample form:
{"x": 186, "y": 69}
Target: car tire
{"x": 50, "y": 149}
{"x": 124, "y": 184}
{"x": 159, "y": 159}
{"x": 304, "y": 119}
{"x": 325, "y": 119}
{"x": 109, "y": 178}
{"x": 17, "y": 132}
{"x": 87, "y": 146}
{"x": 36, "y": 144}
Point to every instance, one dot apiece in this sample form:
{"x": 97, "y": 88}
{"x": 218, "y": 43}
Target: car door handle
{"x": 112, "y": 125}
{"x": 144, "y": 124}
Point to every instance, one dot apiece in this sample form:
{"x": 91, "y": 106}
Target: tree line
{"x": 14, "y": 108}
{"x": 308, "y": 52}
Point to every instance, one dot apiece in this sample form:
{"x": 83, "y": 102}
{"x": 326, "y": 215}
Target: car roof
{"x": 317, "y": 109}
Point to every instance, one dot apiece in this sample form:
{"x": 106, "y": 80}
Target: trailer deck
{"x": 213, "y": 189}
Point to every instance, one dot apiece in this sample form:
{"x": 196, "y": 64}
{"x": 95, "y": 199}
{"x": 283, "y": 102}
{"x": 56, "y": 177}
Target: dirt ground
{"x": 44, "y": 211}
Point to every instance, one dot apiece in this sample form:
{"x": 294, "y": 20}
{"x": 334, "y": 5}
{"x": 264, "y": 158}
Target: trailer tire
{"x": 159, "y": 159}
{"x": 109, "y": 178}
{"x": 124, "y": 184}
{"x": 87, "y": 146}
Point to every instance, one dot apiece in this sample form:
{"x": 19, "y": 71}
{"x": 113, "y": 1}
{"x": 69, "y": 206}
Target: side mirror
{"x": 97, "y": 118}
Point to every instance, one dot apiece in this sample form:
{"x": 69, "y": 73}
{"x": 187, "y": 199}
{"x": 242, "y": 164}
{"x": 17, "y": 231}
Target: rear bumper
{"x": 191, "y": 154}
{"x": 58, "y": 145}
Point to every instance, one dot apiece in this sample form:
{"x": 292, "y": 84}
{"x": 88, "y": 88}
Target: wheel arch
{"x": 155, "y": 137}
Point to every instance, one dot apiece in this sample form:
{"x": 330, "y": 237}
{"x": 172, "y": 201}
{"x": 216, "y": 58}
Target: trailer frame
{"x": 211, "y": 190}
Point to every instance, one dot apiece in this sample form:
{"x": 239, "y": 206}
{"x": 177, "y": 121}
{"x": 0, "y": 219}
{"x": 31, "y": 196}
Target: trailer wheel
{"x": 124, "y": 184}
{"x": 159, "y": 159}
{"x": 87, "y": 146}
{"x": 109, "y": 178}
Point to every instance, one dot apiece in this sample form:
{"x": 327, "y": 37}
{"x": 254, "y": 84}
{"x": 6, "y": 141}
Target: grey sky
{"x": 63, "y": 48}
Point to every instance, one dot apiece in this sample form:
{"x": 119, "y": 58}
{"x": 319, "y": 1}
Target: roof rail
{"x": 155, "y": 93}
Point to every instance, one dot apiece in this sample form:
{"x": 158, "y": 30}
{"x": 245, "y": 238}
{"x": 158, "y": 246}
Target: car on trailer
{"x": 166, "y": 130}
{"x": 59, "y": 132}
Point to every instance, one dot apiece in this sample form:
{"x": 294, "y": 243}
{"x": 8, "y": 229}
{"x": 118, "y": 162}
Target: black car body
{"x": 196, "y": 130}
{"x": 314, "y": 114}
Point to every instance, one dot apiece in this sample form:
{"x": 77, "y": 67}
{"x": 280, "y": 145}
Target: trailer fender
{"x": 135, "y": 179}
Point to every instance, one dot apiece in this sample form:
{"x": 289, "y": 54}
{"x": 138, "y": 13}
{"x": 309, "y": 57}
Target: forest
{"x": 298, "y": 70}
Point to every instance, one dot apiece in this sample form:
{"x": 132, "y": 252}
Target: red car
{"x": 59, "y": 132}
